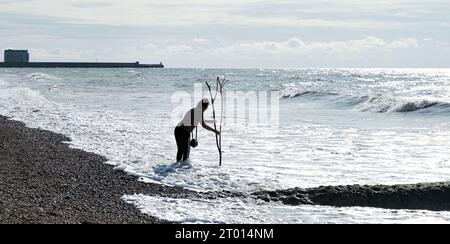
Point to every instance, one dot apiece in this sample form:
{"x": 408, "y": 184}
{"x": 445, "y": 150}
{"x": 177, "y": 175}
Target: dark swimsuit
{"x": 183, "y": 138}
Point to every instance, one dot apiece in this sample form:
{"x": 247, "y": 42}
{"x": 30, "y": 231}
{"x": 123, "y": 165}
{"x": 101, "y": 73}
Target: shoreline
{"x": 43, "y": 180}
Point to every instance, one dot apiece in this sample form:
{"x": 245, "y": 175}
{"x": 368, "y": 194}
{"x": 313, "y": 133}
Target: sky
{"x": 232, "y": 33}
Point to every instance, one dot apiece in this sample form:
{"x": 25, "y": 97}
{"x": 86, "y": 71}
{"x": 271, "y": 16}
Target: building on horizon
{"x": 17, "y": 56}
{"x": 21, "y": 59}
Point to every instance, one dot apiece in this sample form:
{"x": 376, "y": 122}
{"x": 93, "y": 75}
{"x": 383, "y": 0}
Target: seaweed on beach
{"x": 426, "y": 196}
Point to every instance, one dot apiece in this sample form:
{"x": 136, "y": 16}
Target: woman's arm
{"x": 207, "y": 127}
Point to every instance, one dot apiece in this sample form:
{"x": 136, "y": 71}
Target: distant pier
{"x": 21, "y": 59}
{"x": 78, "y": 65}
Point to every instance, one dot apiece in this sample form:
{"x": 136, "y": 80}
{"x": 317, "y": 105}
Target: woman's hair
{"x": 204, "y": 103}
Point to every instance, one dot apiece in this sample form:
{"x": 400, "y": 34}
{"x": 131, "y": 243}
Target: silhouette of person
{"x": 183, "y": 131}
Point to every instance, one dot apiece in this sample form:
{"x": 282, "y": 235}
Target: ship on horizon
{"x": 21, "y": 59}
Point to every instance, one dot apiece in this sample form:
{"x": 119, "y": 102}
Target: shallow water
{"x": 351, "y": 126}
{"x": 249, "y": 211}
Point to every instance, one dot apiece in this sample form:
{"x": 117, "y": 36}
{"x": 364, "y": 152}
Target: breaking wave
{"x": 372, "y": 103}
{"x": 293, "y": 93}
{"x": 381, "y": 104}
{"x": 42, "y": 77}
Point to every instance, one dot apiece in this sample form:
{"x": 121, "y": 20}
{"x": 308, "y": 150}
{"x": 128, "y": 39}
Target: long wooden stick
{"x": 213, "y": 100}
{"x": 220, "y": 85}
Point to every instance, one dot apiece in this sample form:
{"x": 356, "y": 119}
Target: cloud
{"x": 194, "y": 31}
{"x": 202, "y": 41}
{"x": 286, "y": 13}
{"x": 298, "y": 46}
{"x": 206, "y": 47}
{"x": 289, "y": 53}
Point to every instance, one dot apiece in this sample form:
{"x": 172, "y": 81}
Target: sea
{"x": 283, "y": 128}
